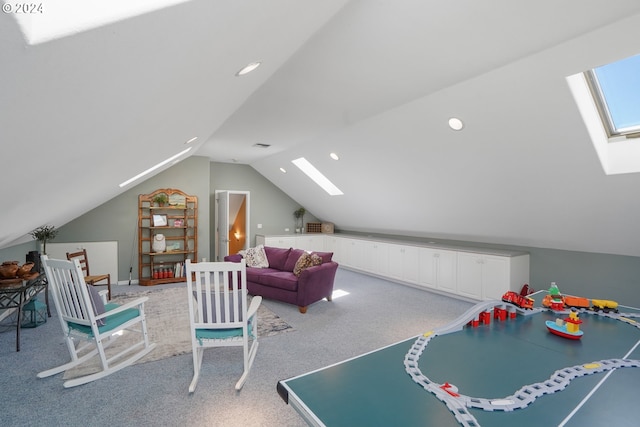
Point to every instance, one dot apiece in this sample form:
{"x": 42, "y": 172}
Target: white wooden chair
{"x": 218, "y": 312}
{"x": 89, "y": 325}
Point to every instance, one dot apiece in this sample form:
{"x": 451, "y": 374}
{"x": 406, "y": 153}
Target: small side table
{"x": 15, "y": 293}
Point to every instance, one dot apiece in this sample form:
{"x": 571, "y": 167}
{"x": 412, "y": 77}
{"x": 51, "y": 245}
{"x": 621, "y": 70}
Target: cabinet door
{"x": 495, "y": 276}
{"x": 428, "y": 267}
{"x": 470, "y": 275}
{"x": 335, "y": 244}
{"x": 310, "y": 242}
{"x": 376, "y": 258}
{"x": 404, "y": 263}
{"x": 395, "y": 261}
{"x": 446, "y": 274}
{"x": 355, "y": 251}
{"x": 411, "y": 264}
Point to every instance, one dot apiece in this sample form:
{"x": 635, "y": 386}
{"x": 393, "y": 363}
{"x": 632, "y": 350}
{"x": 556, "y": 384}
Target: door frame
{"x": 247, "y": 230}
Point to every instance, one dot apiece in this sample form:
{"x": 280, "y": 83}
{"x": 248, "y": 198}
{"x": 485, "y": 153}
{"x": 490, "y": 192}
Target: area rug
{"x": 167, "y": 313}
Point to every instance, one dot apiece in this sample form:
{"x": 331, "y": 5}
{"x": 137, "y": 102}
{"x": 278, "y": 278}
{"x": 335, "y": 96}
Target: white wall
{"x": 102, "y": 256}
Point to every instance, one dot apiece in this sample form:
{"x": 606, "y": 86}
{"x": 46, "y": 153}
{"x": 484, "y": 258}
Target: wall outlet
{"x": 259, "y": 225}
{"x": 286, "y": 229}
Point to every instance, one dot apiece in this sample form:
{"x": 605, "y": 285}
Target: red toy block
{"x": 500, "y": 313}
{"x": 485, "y": 317}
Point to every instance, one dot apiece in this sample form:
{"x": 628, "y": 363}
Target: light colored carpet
{"x": 167, "y": 313}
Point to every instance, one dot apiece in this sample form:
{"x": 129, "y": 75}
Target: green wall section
{"x": 586, "y": 274}
{"x": 591, "y": 275}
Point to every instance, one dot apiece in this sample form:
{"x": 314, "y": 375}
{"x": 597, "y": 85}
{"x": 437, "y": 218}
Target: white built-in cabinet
{"x": 404, "y": 263}
{"x": 438, "y": 269}
{"x": 277, "y": 241}
{"x": 310, "y": 242}
{"x": 377, "y": 256}
{"x": 475, "y": 273}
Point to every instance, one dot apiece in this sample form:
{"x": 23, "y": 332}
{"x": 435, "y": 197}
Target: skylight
{"x": 607, "y": 98}
{"x": 60, "y": 18}
{"x": 616, "y": 89}
{"x": 317, "y": 176}
{"x": 153, "y": 168}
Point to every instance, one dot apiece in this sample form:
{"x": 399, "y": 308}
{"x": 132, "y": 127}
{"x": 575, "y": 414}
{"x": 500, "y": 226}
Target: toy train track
{"x": 460, "y": 404}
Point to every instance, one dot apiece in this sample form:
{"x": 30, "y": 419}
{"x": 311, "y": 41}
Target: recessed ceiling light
{"x": 334, "y": 156}
{"x": 455, "y": 123}
{"x": 248, "y": 68}
{"x": 283, "y": 170}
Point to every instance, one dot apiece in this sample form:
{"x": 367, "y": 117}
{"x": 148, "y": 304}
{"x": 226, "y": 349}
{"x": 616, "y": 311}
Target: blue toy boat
{"x": 560, "y": 329}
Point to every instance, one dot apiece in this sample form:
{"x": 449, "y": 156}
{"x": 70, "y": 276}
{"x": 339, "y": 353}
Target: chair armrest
{"x": 253, "y": 307}
{"x": 123, "y": 307}
{"x": 324, "y": 272}
{"x": 316, "y": 283}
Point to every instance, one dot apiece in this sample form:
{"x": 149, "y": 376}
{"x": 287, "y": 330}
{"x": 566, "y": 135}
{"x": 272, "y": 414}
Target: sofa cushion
{"x": 280, "y": 279}
{"x": 294, "y": 255}
{"x": 233, "y": 258}
{"x": 326, "y": 256}
{"x": 256, "y": 257}
{"x": 277, "y": 256}
{"x": 255, "y": 274}
{"x": 305, "y": 261}
{"x": 97, "y": 303}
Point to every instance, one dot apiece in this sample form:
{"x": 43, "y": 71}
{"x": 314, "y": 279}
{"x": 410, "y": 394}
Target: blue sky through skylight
{"x": 620, "y": 85}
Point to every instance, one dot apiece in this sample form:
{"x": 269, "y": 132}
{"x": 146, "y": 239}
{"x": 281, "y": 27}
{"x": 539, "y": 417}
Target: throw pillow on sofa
{"x": 256, "y": 257}
{"x": 305, "y": 261}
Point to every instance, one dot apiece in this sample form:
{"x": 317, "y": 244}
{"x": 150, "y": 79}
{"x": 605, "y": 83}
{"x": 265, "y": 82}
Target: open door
{"x": 232, "y": 222}
{"x": 222, "y": 246}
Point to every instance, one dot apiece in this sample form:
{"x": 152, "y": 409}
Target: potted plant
{"x": 299, "y": 215}
{"x": 161, "y": 199}
{"x": 43, "y": 234}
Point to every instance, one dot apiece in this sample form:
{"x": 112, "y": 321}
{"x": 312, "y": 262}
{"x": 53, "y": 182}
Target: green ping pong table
{"x": 496, "y": 362}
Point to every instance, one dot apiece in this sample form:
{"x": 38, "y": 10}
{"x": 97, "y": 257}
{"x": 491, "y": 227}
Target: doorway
{"x": 232, "y": 225}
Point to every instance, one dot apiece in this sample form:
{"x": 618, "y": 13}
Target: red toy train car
{"x": 521, "y": 301}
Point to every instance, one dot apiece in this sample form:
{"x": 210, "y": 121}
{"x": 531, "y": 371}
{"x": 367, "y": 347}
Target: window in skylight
{"x": 317, "y": 176}
{"x": 616, "y": 90}
{"x": 54, "y": 19}
{"x": 607, "y": 98}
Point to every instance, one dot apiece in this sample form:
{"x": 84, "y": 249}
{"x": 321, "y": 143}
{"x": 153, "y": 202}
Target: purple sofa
{"x": 280, "y": 283}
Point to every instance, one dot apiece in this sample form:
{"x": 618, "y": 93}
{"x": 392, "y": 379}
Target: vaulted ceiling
{"x": 373, "y": 81}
